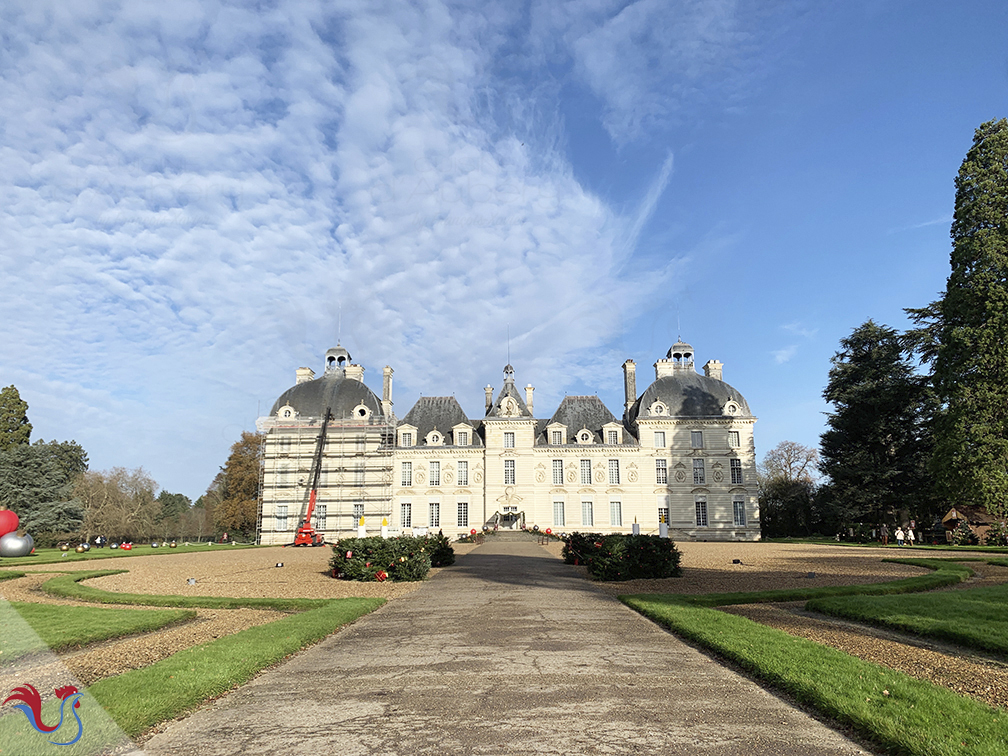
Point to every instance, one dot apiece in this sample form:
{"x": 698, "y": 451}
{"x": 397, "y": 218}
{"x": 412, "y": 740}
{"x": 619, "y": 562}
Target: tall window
{"x": 358, "y": 512}
{"x": 509, "y": 439}
{"x": 407, "y": 515}
{"x": 736, "y": 472}
{"x": 661, "y": 471}
{"x": 435, "y": 515}
{"x": 463, "y": 469}
{"x": 659, "y": 439}
{"x": 360, "y": 444}
{"x": 320, "y": 517}
{"x": 615, "y": 514}
{"x": 698, "y": 473}
{"x": 509, "y": 472}
{"x": 556, "y": 438}
{"x": 701, "y": 512}
{"x": 586, "y": 513}
{"x": 285, "y": 445}
{"x": 612, "y": 437}
{"x": 696, "y": 439}
{"x": 281, "y": 517}
{"x": 358, "y": 475}
{"x": 407, "y": 438}
{"x": 663, "y": 514}
{"x": 283, "y": 477}
{"x": 463, "y": 514}
{"x": 738, "y": 504}
{"x": 462, "y": 438}
{"x": 435, "y": 473}
{"x": 613, "y": 472}
{"x": 407, "y": 473}
{"x": 585, "y": 472}
{"x": 733, "y": 439}
{"x": 557, "y": 472}
{"x": 558, "y": 514}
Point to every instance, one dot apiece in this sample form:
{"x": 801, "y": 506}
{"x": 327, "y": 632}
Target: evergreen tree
{"x": 878, "y": 442}
{"x": 15, "y": 430}
{"x": 965, "y": 333}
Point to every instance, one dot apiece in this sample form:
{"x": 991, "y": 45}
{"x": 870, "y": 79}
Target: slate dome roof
{"x": 686, "y": 393}
{"x": 333, "y": 389}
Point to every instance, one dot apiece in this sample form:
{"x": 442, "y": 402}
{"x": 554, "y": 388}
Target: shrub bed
{"x": 405, "y": 558}
{"x": 623, "y": 557}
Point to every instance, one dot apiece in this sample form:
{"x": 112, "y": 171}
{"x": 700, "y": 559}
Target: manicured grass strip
{"x": 63, "y": 627}
{"x": 54, "y": 556}
{"x": 944, "y": 573}
{"x": 142, "y": 698}
{"x": 976, "y": 618}
{"x": 893, "y": 710}
{"x": 10, "y": 575}
{"x": 69, "y": 586}
{"x": 998, "y": 562}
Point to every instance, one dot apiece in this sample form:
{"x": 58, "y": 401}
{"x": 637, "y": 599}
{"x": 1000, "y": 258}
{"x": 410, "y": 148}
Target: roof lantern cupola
{"x": 508, "y": 373}
{"x": 336, "y": 358}
{"x": 681, "y": 354}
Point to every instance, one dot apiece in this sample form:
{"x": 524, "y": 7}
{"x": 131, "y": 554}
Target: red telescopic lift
{"x": 306, "y": 535}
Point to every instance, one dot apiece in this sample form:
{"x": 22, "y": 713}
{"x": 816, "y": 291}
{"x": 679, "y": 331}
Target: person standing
{"x": 899, "y": 536}
{"x": 910, "y": 538}
{"x": 885, "y": 534}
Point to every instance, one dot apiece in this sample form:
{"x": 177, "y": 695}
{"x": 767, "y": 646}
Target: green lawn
{"x": 897, "y": 712}
{"x": 976, "y": 618}
{"x": 69, "y": 586}
{"x": 54, "y": 556}
{"x": 63, "y": 627}
{"x": 142, "y": 698}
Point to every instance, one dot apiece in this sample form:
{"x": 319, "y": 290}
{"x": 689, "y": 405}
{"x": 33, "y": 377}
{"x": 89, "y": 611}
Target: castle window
{"x": 659, "y": 439}
{"x": 358, "y": 512}
{"x": 699, "y": 478}
{"x": 663, "y": 514}
{"x": 701, "y": 512}
{"x": 407, "y": 514}
{"x": 463, "y": 514}
{"x": 558, "y": 514}
{"x": 435, "y": 473}
{"x": 613, "y": 472}
{"x": 613, "y": 437}
{"x": 738, "y": 504}
{"x": 509, "y": 472}
{"x": 736, "y": 472}
{"x": 509, "y": 439}
{"x": 463, "y": 473}
{"x": 556, "y": 438}
{"x": 733, "y": 439}
{"x": 320, "y": 517}
{"x": 281, "y": 517}
{"x": 407, "y": 474}
{"x": 696, "y": 439}
{"x": 661, "y": 472}
{"x": 585, "y": 472}
{"x": 557, "y": 472}
{"x": 616, "y": 514}
{"x": 407, "y": 438}
{"x": 435, "y": 515}
{"x": 462, "y": 438}
{"x": 587, "y": 517}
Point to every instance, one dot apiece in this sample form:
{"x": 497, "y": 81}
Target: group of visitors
{"x": 902, "y": 536}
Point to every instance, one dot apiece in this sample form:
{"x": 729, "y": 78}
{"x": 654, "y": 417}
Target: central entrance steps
{"x": 513, "y": 535}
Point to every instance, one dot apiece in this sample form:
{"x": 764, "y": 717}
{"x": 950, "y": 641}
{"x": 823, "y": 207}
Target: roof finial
{"x": 339, "y": 326}
{"x": 677, "y": 323}
{"x": 509, "y": 343}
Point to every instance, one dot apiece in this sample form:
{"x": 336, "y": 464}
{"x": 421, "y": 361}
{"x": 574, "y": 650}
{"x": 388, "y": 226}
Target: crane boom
{"x": 306, "y": 535}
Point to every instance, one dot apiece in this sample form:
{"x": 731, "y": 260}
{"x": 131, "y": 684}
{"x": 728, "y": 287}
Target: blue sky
{"x": 191, "y": 195}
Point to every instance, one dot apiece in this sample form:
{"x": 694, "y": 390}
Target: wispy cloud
{"x": 945, "y": 220}
{"x": 800, "y": 329}
{"x": 784, "y": 355}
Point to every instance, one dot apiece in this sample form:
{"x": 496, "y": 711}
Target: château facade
{"x": 681, "y": 459}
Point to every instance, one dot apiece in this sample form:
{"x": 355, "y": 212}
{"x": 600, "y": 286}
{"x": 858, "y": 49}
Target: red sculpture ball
{"x": 8, "y": 522}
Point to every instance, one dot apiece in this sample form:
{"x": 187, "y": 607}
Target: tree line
{"x": 57, "y": 498}
{"x": 919, "y": 419}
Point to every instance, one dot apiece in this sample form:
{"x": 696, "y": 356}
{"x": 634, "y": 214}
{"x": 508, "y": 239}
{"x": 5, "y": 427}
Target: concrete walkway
{"x": 508, "y": 652}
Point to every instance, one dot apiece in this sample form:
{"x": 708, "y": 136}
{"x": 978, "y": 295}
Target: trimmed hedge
{"x": 405, "y": 558}
{"x": 623, "y": 557}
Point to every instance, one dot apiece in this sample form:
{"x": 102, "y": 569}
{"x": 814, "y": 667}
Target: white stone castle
{"x": 681, "y": 460}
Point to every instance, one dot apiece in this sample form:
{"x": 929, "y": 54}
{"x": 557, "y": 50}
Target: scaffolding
{"x": 356, "y": 473}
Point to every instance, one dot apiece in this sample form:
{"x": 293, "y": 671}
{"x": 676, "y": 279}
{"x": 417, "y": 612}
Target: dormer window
{"x": 612, "y": 437}
{"x": 556, "y": 438}
{"x": 462, "y": 438}
{"x": 434, "y": 438}
{"x": 585, "y": 437}
{"x": 658, "y": 408}
{"x": 406, "y": 439}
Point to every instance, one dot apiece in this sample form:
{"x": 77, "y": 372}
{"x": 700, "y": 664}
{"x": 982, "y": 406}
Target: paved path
{"x": 507, "y": 652}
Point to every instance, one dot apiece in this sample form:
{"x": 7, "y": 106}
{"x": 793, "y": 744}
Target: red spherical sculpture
{"x": 8, "y": 522}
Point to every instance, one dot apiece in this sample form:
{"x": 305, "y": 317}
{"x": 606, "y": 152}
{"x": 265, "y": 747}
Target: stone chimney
{"x": 305, "y": 374}
{"x": 489, "y": 396}
{"x": 713, "y": 369}
{"x": 528, "y": 397}
{"x": 355, "y": 372}
{"x": 629, "y": 383}
{"x": 386, "y": 401}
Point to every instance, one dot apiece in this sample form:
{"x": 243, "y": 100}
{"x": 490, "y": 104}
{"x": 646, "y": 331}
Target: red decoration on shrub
{"x": 472, "y": 532}
{"x": 380, "y": 576}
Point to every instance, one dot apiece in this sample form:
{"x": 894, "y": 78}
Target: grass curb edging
{"x": 182, "y": 682}
{"x": 69, "y": 586}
